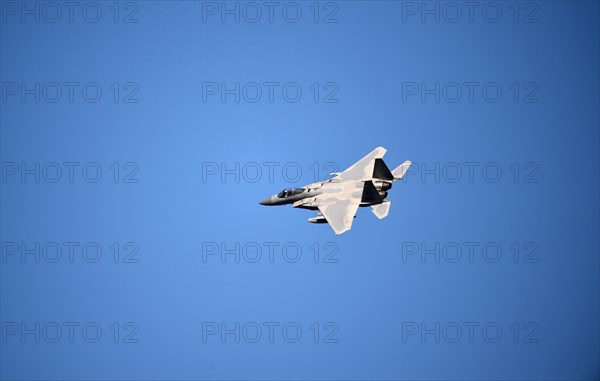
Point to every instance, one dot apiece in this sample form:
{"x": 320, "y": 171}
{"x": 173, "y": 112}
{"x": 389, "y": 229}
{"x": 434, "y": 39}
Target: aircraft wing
{"x": 339, "y": 213}
{"x": 362, "y": 170}
{"x": 339, "y": 208}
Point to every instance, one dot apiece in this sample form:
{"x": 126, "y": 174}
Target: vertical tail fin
{"x": 400, "y": 171}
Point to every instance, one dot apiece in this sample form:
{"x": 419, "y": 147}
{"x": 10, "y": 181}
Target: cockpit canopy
{"x": 290, "y": 192}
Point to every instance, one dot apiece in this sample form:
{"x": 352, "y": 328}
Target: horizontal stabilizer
{"x": 401, "y": 170}
{"x": 381, "y": 210}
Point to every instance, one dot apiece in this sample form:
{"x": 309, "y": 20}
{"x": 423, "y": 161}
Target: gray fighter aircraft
{"x": 365, "y": 183}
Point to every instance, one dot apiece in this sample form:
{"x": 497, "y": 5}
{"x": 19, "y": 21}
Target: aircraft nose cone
{"x": 266, "y": 201}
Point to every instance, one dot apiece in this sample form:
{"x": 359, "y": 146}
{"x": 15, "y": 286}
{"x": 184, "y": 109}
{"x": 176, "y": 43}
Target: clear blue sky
{"x": 204, "y": 116}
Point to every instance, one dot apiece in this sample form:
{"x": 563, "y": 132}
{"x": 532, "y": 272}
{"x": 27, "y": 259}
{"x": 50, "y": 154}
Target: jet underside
{"x": 365, "y": 183}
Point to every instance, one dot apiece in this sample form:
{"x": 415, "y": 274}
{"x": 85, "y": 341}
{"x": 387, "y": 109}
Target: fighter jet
{"x": 365, "y": 183}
